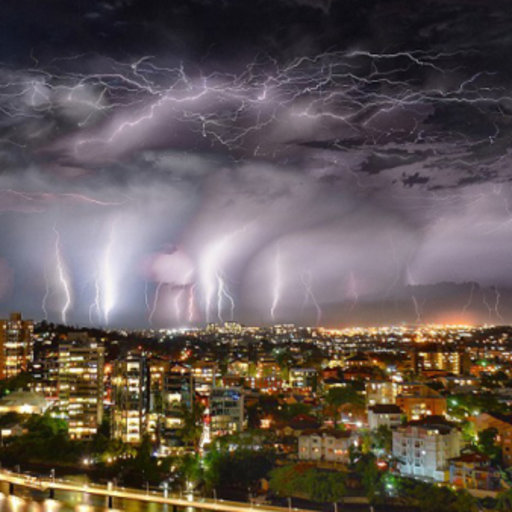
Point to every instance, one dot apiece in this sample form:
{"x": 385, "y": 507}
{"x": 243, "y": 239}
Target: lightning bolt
{"x": 212, "y": 277}
{"x": 306, "y": 279}
{"x": 191, "y": 303}
{"x": 146, "y": 295}
{"x": 95, "y": 307}
{"x": 155, "y": 303}
{"x": 62, "y": 277}
{"x": 108, "y": 292}
{"x": 417, "y": 309}
{"x": 470, "y": 298}
{"x": 177, "y": 303}
{"x": 46, "y": 295}
{"x": 277, "y": 284}
{"x": 497, "y": 303}
{"x": 487, "y": 305}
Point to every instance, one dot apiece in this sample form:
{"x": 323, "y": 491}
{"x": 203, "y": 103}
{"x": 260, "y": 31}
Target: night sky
{"x": 169, "y": 163}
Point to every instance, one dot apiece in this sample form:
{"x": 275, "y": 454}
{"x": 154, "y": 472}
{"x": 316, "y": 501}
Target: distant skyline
{"x": 319, "y": 162}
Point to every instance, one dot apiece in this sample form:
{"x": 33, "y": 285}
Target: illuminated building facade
{"x": 80, "y": 384}
{"x": 205, "y": 375}
{"x": 130, "y": 392}
{"x": 45, "y": 373}
{"x": 438, "y": 358}
{"x": 384, "y": 415}
{"x": 417, "y": 401}
{"x": 424, "y": 448}
{"x": 381, "y": 392}
{"x": 226, "y": 411}
{"x": 329, "y": 446}
{"x": 15, "y": 345}
{"x": 304, "y": 379}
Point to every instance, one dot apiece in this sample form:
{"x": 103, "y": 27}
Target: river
{"x": 28, "y": 500}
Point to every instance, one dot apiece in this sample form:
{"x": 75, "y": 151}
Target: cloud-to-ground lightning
{"x": 341, "y": 121}
{"x": 155, "y": 303}
{"x": 191, "y": 303}
{"x": 470, "y": 298}
{"x": 277, "y": 283}
{"x": 497, "y": 303}
{"x": 63, "y": 279}
{"x": 46, "y": 294}
{"x": 108, "y": 291}
{"x": 95, "y": 306}
{"x": 417, "y": 309}
{"x": 306, "y": 279}
{"x": 213, "y": 280}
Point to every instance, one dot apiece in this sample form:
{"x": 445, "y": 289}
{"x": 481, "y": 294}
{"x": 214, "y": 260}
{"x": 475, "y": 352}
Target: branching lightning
{"x": 306, "y": 279}
{"x": 347, "y": 93}
{"x": 213, "y": 279}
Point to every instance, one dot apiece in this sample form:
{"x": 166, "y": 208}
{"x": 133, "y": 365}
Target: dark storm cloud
{"x": 272, "y": 160}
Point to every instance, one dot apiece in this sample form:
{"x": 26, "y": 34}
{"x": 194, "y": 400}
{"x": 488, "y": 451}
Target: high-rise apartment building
{"x": 15, "y": 345}
{"x": 130, "y": 393}
{"x": 226, "y": 411}
{"x": 80, "y": 384}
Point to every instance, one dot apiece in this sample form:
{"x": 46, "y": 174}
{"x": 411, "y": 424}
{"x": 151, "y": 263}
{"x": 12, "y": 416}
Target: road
{"x": 46, "y": 484}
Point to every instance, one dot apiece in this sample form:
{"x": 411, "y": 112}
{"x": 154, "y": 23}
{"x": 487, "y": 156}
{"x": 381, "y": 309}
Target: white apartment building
{"x": 387, "y": 415}
{"x": 330, "y": 446}
{"x": 424, "y": 448}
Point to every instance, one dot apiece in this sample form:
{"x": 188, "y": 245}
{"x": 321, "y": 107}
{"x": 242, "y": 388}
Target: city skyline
{"x": 285, "y": 161}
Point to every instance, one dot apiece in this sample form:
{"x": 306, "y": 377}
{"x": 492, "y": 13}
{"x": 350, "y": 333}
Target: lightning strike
{"x": 306, "y": 279}
{"x": 63, "y": 280}
{"x": 108, "y": 291}
{"x": 277, "y": 284}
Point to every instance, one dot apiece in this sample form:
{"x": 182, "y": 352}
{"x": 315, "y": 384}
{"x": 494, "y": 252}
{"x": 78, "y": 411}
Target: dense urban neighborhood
{"x": 272, "y": 414}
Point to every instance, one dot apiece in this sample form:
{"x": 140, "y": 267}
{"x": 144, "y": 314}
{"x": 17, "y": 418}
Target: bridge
{"x": 50, "y": 485}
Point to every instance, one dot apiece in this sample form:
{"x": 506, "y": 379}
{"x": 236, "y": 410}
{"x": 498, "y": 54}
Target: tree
{"x": 464, "y": 502}
{"x": 383, "y": 438}
{"x": 20, "y": 381}
{"x": 192, "y": 424}
{"x": 190, "y": 468}
{"x": 143, "y": 467}
{"x": 309, "y": 482}
{"x": 366, "y": 468}
{"x": 487, "y": 443}
{"x": 288, "y": 480}
{"x": 431, "y": 498}
{"x": 46, "y": 439}
{"x": 338, "y": 397}
{"x": 241, "y": 469}
{"x": 325, "y": 487}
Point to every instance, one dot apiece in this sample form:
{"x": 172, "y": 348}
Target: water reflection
{"x": 51, "y": 505}
{"x": 28, "y": 500}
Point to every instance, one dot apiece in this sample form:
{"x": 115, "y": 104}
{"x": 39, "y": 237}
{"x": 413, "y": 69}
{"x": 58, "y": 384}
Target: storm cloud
{"x": 317, "y": 162}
